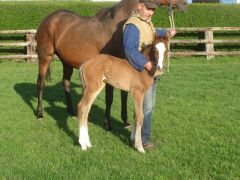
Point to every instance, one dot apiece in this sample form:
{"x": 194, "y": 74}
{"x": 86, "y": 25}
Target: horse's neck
{"x": 124, "y": 9}
{"x": 130, "y": 4}
{"x": 147, "y": 78}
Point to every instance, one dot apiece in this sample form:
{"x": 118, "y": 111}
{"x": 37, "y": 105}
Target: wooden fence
{"x": 29, "y": 43}
{"x": 208, "y": 40}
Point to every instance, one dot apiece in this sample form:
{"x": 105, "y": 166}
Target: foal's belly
{"x": 120, "y": 74}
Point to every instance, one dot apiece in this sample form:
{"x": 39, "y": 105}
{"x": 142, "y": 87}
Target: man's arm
{"x": 130, "y": 45}
{"x": 163, "y": 32}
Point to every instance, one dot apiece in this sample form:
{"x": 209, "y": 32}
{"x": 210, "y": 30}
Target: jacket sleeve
{"x": 130, "y": 46}
{"x": 161, "y": 32}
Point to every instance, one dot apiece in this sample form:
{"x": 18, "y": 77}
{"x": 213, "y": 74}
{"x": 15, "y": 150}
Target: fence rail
{"x": 208, "y": 40}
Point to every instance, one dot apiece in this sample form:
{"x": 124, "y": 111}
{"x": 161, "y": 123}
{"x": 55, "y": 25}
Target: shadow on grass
{"x": 54, "y": 94}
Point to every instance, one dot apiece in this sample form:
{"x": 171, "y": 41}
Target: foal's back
{"x": 115, "y": 71}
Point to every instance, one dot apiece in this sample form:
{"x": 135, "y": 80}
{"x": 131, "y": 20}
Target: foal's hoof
{"x": 85, "y": 144}
{"x": 140, "y": 149}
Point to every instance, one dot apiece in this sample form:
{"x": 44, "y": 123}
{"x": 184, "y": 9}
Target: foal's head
{"x": 156, "y": 53}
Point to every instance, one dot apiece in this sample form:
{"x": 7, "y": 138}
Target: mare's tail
{"x": 48, "y": 75}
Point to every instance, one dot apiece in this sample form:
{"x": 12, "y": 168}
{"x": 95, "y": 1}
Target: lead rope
{"x": 172, "y": 24}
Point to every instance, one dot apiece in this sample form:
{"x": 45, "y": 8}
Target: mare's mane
{"x": 110, "y": 12}
{"x": 105, "y": 13}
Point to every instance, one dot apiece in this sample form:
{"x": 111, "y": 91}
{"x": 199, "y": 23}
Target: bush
{"x": 28, "y": 15}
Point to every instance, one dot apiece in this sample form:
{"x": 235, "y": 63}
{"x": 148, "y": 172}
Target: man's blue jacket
{"x": 131, "y": 43}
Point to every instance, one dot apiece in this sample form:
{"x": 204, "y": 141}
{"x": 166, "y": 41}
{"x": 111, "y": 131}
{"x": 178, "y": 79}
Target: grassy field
{"x": 196, "y": 126}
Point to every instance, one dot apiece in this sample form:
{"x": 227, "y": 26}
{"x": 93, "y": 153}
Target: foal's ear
{"x": 166, "y": 38}
{"x": 155, "y": 36}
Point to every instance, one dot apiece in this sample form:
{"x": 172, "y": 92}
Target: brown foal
{"x": 102, "y": 69}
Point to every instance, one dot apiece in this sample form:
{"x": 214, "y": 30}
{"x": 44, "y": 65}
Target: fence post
{"x": 209, "y": 44}
{"x": 31, "y": 47}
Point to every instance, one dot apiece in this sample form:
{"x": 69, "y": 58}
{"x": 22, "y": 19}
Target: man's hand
{"x": 171, "y": 32}
{"x": 148, "y": 66}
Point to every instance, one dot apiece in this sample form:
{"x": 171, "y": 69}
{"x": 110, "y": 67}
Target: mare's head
{"x": 176, "y": 4}
{"x": 157, "y": 53}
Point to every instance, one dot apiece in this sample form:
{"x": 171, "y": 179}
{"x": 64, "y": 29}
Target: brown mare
{"x": 76, "y": 39}
{"x": 102, "y": 69}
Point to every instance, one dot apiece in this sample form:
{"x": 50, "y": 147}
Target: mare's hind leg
{"x": 84, "y": 107}
{"x": 67, "y": 73}
{"x": 44, "y": 61}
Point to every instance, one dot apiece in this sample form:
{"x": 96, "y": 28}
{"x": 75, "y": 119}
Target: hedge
{"x": 28, "y": 15}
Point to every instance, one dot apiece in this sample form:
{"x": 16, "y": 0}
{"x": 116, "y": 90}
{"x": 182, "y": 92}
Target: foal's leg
{"x": 67, "y": 73}
{"x": 138, "y": 102}
{"x": 83, "y": 110}
{"x": 84, "y": 106}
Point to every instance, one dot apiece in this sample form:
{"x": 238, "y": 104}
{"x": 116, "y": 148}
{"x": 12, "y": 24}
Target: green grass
{"x": 195, "y": 125}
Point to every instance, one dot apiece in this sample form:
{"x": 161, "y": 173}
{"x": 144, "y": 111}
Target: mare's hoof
{"x": 126, "y": 125}
{"x": 71, "y": 113}
{"x": 39, "y": 117}
{"x": 73, "y": 116}
{"x": 107, "y": 125}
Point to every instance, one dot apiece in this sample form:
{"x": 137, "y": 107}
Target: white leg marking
{"x": 138, "y": 140}
{"x": 133, "y": 133}
{"x": 88, "y": 143}
{"x": 161, "y": 49}
{"x": 84, "y": 140}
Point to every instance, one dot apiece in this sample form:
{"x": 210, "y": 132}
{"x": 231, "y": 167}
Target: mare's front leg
{"x": 124, "y": 116}
{"x": 108, "y": 101}
{"x": 136, "y": 132}
{"x": 67, "y": 73}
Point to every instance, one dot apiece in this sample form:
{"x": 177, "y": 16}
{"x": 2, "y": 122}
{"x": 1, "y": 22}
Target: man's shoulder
{"x": 132, "y": 20}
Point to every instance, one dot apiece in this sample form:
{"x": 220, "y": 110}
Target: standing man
{"x": 138, "y": 32}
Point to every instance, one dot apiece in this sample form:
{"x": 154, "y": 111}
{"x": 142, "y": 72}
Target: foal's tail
{"x": 81, "y": 75}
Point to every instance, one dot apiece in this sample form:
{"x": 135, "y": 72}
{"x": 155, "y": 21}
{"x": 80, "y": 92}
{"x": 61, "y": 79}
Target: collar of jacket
{"x": 137, "y": 15}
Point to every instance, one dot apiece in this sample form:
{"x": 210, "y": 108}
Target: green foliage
{"x": 195, "y": 125}
{"x": 28, "y": 15}
{"x": 201, "y": 15}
